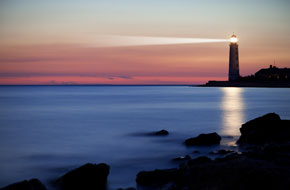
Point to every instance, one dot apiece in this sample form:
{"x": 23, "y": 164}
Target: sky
{"x": 57, "y": 41}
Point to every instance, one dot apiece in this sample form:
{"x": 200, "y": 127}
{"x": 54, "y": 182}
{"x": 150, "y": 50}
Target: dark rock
{"x": 88, "y": 176}
{"x": 204, "y": 139}
{"x": 277, "y": 148}
{"x": 266, "y": 129}
{"x": 33, "y": 184}
{"x": 161, "y": 132}
{"x": 278, "y": 153}
{"x": 156, "y": 177}
{"x": 235, "y": 171}
{"x": 182, "y": 158}
{"x": 240, "y": 173}
{"x": 196, "y": 152}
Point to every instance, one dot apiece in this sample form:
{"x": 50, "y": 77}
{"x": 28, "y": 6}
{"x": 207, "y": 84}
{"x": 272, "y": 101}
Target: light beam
{"x": 123, "y": 41}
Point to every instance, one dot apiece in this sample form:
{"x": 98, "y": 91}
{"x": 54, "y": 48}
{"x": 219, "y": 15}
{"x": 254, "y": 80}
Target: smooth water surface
{"x": 46, "y": 131}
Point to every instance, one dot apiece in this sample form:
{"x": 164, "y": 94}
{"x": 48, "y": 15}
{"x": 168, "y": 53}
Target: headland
{"x": 272, "y": 77}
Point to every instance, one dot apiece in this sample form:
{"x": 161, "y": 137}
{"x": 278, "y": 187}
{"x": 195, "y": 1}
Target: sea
{"x": 46, "y": 131}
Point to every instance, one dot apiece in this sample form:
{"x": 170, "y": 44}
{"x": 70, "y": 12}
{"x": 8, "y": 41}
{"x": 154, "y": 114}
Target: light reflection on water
{"x": 232, "y": 106}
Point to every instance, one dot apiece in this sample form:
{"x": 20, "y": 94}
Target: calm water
{"x": 47, "y": 130}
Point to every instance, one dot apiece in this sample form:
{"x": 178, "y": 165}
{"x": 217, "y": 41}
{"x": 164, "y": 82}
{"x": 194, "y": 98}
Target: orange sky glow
{"x": 39, "y": 47}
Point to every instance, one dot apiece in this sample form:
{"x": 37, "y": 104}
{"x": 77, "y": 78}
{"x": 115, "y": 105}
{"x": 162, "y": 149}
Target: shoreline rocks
{"x": 204, "y": 139}
{"x": 265, "y": 164}
{"x": 33, "y": 184}
{"x": 266, "y": 129}
{"x": 89, "y": 177}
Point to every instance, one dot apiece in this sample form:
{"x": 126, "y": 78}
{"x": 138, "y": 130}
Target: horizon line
{"x": 100, "y": 84}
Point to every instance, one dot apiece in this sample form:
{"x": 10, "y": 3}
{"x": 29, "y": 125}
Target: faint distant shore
{"x": 263, "y": 84}
{"x": 98, "y": 85}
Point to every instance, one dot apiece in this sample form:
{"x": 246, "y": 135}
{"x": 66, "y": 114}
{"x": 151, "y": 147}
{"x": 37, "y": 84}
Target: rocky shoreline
{"x": 265, "y": 164}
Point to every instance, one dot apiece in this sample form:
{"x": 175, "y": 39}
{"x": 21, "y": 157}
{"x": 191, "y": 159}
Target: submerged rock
{"x": 222, "y": 152}
{"x": 33, "y": 184}
{"x": 88, "y": 176}
{"x": 199, "y": 160}
{"x": 266, "y": 129}
{"x": 161, "y": 132}
{"x": 204, "y": 139}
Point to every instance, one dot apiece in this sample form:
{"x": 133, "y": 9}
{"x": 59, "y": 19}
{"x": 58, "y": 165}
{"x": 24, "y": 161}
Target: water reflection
{"x": 232, "y": 107}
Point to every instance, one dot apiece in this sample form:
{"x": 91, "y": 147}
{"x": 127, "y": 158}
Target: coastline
{"x": 254, "y": 84}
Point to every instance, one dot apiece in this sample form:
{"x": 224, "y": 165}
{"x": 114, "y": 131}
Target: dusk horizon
{"x": 60, "y": 42}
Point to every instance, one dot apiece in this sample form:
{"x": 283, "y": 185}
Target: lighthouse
{"x": 234, "y": 72}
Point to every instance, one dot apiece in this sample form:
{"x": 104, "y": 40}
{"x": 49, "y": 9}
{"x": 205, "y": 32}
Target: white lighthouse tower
{"x": 234, "y": 72}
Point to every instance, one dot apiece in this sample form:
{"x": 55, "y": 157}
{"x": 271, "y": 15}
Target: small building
{"x": 273, "y": 73}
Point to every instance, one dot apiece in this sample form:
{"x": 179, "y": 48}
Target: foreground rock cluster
{"x": 87, "y": 177}
{"x": 261, "y": 170}
{"x": 265, "y": 164}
